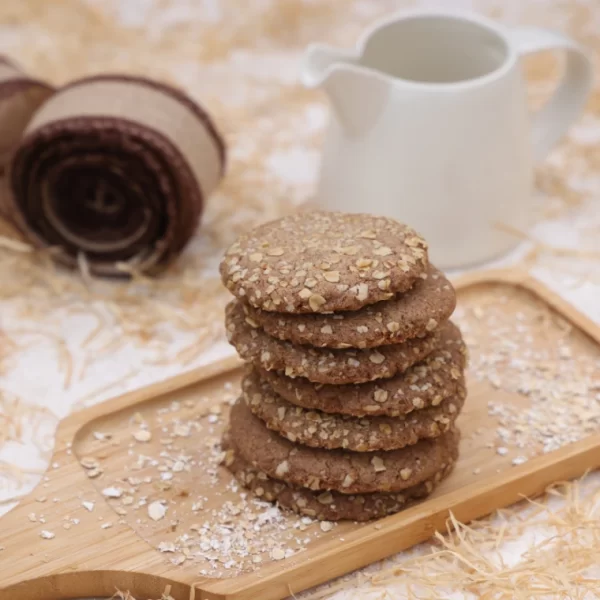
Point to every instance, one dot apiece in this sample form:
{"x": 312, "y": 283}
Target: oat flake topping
{"x": 319, "y": 262}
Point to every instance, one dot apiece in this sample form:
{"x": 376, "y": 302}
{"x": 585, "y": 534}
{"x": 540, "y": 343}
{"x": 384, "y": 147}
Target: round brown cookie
{"x": 438, "y": 376}
{"x": 416, "y": 312}
{"x": 342, "y": 470}
{"x": 361, "y": 434}
{"x": 323, "y": 365}
{"x": 327, "y": 505}
{"x": 317, "y": 262}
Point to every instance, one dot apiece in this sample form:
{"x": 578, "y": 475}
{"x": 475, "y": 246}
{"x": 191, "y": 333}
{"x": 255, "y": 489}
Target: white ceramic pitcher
{"x": 430, "y": 125}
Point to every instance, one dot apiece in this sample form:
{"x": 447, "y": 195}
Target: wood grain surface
{"x": 89, "y": 558}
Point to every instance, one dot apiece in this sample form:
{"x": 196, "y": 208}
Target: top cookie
{"x": 320, "y": 262}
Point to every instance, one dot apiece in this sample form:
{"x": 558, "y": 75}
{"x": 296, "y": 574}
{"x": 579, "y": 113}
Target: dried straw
{"x": 561, "y": 560}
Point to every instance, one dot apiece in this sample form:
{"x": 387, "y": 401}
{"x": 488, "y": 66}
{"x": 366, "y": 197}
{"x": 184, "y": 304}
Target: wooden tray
{"x": 98, "y": 545}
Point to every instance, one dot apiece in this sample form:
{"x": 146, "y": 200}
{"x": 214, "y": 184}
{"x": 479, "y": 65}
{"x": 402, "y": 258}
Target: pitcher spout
{"x": 320, "y": 61}
{"x": 357, "y": 93}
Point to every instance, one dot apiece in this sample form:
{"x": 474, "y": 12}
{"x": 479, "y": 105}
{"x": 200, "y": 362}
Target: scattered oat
{"x": 142, "y": 435}
{"x": 112, "y": 492}
{"x": 167, "y": 547}
{"x": 277, "y": 554}
{"x": 89, "y": 462}
{"x": 564, "y": 352}
{"x": 157, "y": 510}
{"x": 47, "y": 535}
{"x": 181, "y": 430}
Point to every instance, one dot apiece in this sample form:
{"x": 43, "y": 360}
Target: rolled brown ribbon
{"x": 115, "y": 168}
{"x": 20, "y": 96}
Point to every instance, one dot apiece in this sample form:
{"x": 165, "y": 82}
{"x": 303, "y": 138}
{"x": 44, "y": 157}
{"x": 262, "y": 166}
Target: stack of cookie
{"x": 355, "y": 374}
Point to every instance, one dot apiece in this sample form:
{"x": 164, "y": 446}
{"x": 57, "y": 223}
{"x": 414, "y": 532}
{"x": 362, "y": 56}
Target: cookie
{"x": 323, "y": 365}
{"x": 319, "y": 262}
{"x": 342, "y": 470}
{"x": 416, "y": 312}
{"x": 328, "y": 505}
{"x": 438, "y": 376}
{"x": 361, "y": 434}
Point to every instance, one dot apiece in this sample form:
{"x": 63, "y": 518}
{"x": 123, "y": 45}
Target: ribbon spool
{"x": 115, "y": 168}
{"x": 20, "y": 96}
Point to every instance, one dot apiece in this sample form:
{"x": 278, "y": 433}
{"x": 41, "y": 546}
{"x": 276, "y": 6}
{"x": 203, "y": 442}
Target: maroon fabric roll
{"x": 116, "y": 169}
{"x": 20, "y": 96}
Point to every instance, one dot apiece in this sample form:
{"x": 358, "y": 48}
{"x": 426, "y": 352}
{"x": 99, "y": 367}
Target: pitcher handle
{"x": 551, "y": 122}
